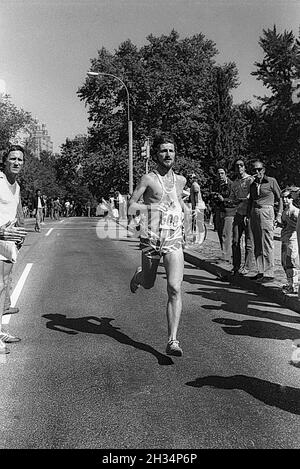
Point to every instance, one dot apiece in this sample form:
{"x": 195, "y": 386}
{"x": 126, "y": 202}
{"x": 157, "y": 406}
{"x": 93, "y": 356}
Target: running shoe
{"x": 134, "y": 285}
{"x": 8, "y": 338}
{"x": 244, "y": 271}
{"x": 174, "y": 349}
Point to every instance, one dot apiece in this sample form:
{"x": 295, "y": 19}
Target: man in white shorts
{"x": 161, "y": 233}
{"x": 10, "y": 235}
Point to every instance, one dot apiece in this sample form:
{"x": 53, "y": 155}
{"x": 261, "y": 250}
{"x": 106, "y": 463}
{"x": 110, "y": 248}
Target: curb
{"x": 271, "y": 292}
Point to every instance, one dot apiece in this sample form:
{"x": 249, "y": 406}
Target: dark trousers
{"x": 239, "y": 228}
{"x": 219, "y": 224}
{"x": 262, "y": 226}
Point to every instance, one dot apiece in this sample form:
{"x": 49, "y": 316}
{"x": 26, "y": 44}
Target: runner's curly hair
{"x": 159, "y": 139}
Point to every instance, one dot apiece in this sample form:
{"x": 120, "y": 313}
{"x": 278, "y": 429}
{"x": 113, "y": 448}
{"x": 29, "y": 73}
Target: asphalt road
{"x": 91, "y": 369}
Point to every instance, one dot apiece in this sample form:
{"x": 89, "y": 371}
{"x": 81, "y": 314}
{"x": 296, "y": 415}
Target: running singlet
{"x": 161, "y": 230}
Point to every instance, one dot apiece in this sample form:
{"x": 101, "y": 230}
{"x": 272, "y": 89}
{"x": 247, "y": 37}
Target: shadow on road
{"x": 237, "y": 302}
{"x": 71, "y": 326}
{"x": 283, "y": 397}
{"x": 262, "y": 329}
{"x": 126, "y": 240}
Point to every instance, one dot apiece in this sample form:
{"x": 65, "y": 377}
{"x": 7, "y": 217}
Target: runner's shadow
{"x": 71, "y": 326}
{"x": 195, "y": 280}
{"x": 242, "y": 303}
{"x": 283, "y": 397}
{"x": 262, "y": 329}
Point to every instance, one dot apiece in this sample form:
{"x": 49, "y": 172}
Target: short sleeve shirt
{"x": 9, "y": 199}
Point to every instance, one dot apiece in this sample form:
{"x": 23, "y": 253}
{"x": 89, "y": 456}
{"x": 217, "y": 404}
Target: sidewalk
{"x": 208, "y": 257}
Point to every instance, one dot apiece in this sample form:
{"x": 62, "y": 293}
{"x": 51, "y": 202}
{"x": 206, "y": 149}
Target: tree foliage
{"x": 12, "y": 121}
{"x": 40, "y": 174}
{"x": 275, "y": 123}
{"x": 73, "y": 153}
{"x": 173, "y": 84}
{"x": 176, "y": 85}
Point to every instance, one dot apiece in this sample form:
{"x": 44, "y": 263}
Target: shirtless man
{"x": 161, "y": 231}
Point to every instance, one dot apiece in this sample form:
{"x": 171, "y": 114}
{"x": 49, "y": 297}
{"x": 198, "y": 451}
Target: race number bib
{"x": 170, "y": 220}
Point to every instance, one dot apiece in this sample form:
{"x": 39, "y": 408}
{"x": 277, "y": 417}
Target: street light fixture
{"x": 130, "y": 139}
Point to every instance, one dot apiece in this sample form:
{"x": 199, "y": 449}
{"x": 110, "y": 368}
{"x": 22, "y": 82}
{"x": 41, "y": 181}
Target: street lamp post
{"x": 130, "y": 127}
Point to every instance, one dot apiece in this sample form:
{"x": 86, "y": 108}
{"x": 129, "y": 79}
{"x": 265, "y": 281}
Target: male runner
{"x": 161, "y": 231}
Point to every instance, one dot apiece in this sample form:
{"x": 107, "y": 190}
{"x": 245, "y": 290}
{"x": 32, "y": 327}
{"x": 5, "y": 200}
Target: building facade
{"x": 40, "y": 140}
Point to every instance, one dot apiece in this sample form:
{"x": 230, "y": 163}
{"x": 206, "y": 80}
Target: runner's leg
{"x": 174, "y": 264}
{"x": 150, "y": 263}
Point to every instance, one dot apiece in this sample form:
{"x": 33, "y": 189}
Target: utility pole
{"x": 130, "y": 126}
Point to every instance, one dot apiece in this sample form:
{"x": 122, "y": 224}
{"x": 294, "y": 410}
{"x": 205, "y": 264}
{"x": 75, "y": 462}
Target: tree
{"x": 228, "y": 128}
{"x": 39, "y": 174}
{"x": 173, "y": 85}
{"x": 12, "y": 121}
{"x": 73, "y": 157}
{"x": 275, "y": 124}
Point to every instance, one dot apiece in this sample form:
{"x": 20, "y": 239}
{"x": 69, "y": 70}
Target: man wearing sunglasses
{"x": 264, "y": 192}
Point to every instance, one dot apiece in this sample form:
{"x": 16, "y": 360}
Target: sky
{"x": 47, "y": 45}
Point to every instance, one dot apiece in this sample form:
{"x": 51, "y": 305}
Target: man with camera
{"x": 224, "y": 213}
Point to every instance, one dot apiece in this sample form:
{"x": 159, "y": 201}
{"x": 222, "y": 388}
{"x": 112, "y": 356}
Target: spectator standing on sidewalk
{"x": 56, "y": 208}
{"x": 264, "y": 192}
{"x": 72, "y": 208}
{"x": 240, "y": 191}
{"x": 88, "y": 206}
{"x": 122, "y": 206}
{"x": 289, "y": 243}
{"x": 51, "y": 208}
{"x": 197, "y": 203}
{"x": 67, "y": 207}
{"x": 38, "y": 205}
{"x": 224, "y": 213}
{"x": 45, "y": 214}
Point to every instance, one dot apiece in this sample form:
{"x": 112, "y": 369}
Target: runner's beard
{"x": 166, "y": 164}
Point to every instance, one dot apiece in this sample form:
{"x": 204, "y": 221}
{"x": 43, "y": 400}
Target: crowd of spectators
{"x": 251, "y": 207}
{"x": 56, "y": 207}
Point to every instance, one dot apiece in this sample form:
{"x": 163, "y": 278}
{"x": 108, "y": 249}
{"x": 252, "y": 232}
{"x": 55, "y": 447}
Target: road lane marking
{"x": 18, "y": 288}
{"x": 48, "y": 232}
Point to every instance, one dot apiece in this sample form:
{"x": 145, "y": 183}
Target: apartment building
{"x": 40, "y": 140}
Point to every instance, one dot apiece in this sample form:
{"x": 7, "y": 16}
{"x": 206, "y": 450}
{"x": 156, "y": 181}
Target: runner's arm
{"x": 133, "y": 204}
{"x": 184, "y": 206}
